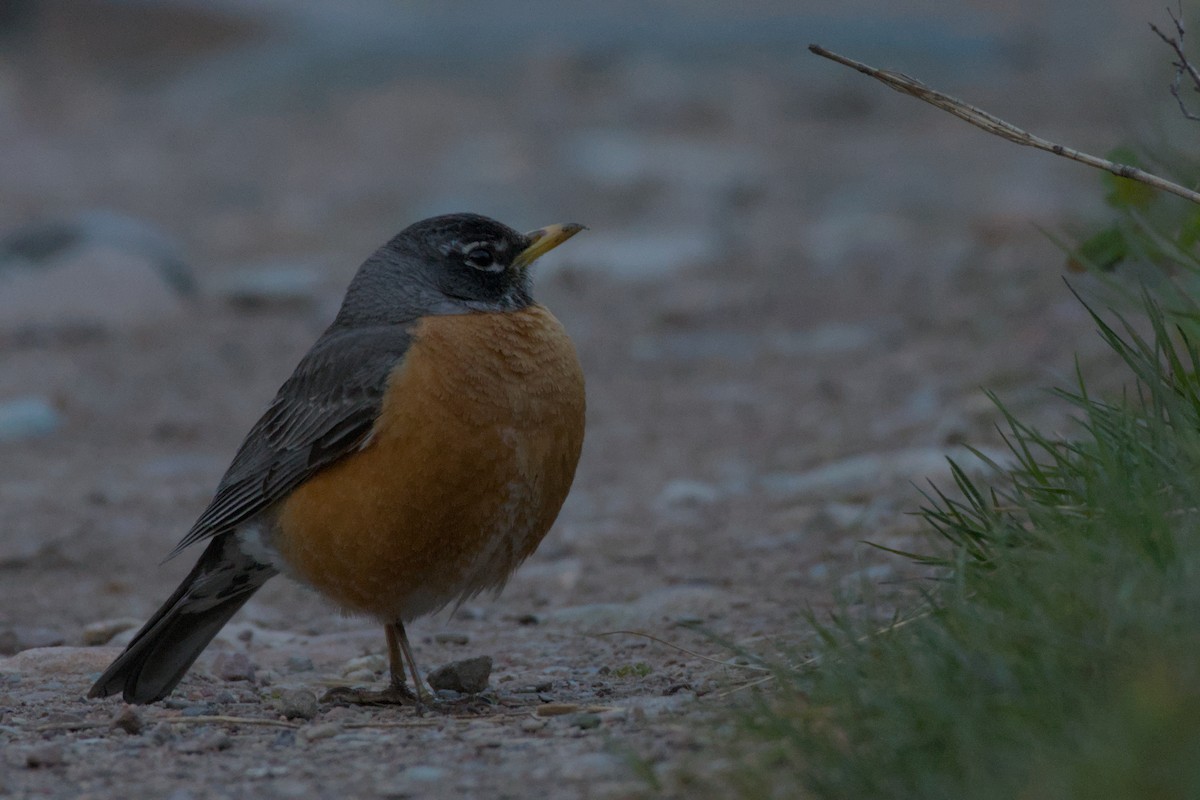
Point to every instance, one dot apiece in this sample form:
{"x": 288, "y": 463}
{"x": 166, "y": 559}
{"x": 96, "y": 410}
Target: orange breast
{"x": 465, "y": 471}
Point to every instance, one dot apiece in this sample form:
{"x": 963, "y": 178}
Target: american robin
{"x": 417, "y": 455}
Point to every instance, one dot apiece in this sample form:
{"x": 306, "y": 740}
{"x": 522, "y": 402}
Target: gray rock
{"x": 273, "y": 284}
{"x": 233, "y": 667}
{"x": 128, "y": 720}
{"x": 684, "y": 493}
{"x": 324, "y": 730}
{"x": 585, "y": 721}
{"x": 360, "y": 675}
{"x": 299, "y": 664}
{"x": 95, "y": 288}
{"x": 469, "y": 676}
{"x": 17, "y": 638}
{"x": 451, "y": 638}
{"x": 66, "y": 662}
{"x": 298, "y": 704}
{"x": 103, "y": 631}
{"x": 28, "y": 418}
{"x": 40, "y": 244}
{"x": 372, "y": 663}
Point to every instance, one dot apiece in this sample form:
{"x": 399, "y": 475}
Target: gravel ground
{"x": 794, "y": 286}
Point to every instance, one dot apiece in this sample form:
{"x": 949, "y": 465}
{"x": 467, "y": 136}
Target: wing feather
{"x": 322, "y": 413}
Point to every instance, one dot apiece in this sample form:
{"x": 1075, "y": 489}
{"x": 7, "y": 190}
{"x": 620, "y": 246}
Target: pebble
{"x": 102, "y": 631}
{"x": 324, "y": 730}
{"x": 44, "y": 662}
{"x": 298, "y": 704}
{"x": 284, "y": 739}
{"x": 586, "y": 721}
{"x": 469, "y": 676}
{"x": 22, "y": 637}
{"x": 299, "y": 664}
{"x": 128, "y": 720}
{"x": 48, "y": 754}
{"x": 451, "y": 638}
{"x": 686, "y": 493}
{"x": 28, "y": 418}
{"x": 373, "y": 662}
{"x": 233, "y": 667}
{"x": 360, "y": 675}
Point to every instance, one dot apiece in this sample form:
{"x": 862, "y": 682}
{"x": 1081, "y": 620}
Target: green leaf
{"x": 1104, "y": 249}
{"x": 1123, "y": 192}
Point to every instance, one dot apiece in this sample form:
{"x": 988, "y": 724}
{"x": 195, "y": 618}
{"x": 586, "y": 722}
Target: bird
{"x": 418, "y": 453}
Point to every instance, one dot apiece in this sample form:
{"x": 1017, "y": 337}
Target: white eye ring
{"x": 481, "y": 258}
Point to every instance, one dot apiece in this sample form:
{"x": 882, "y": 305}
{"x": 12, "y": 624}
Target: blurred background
{"x": 794, "y": 284}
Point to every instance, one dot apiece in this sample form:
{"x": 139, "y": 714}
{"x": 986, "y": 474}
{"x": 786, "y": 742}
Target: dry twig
{"x": 1182, "y": 66}
{"x": 1006, "y": 130}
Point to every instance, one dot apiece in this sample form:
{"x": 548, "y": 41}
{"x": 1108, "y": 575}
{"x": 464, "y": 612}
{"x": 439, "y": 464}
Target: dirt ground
{"x": 794, "y": 287}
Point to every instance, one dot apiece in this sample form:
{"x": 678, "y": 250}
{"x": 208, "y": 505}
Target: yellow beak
{"x": 543, "y": 240}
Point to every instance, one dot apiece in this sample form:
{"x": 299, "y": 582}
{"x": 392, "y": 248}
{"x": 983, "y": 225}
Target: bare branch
{"x": 1006, "y": 130}
{"x": 1183, "y": 65}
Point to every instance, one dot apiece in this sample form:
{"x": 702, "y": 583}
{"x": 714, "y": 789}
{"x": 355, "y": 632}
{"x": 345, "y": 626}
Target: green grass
{"x": 1058, "y": 655}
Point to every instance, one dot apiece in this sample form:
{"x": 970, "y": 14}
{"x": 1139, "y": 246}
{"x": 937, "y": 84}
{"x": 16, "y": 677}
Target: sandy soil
{"x": 794, "y": 287}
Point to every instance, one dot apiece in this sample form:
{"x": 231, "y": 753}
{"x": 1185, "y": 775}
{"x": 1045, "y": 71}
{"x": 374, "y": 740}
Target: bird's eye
{"x": 480, "y": 258}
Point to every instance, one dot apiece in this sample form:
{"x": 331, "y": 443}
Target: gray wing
{"x": 323, "y": 412}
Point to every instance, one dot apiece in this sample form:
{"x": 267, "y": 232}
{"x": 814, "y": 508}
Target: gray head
{"x": 453, "y": 264}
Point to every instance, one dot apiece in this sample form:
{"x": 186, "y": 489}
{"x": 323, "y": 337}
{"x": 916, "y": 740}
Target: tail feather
{"x": 170, "y": 642}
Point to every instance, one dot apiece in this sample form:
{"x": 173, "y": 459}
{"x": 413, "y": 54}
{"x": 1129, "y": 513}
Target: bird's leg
{"x": 395, "y": 664}
{"x": 395, "y": 631}
{"x": 397, "y": 691}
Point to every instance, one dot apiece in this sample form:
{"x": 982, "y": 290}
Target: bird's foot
{"x": 391, "y": 696}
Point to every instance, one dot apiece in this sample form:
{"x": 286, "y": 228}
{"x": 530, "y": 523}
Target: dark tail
{"x": 166, "y": 646}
